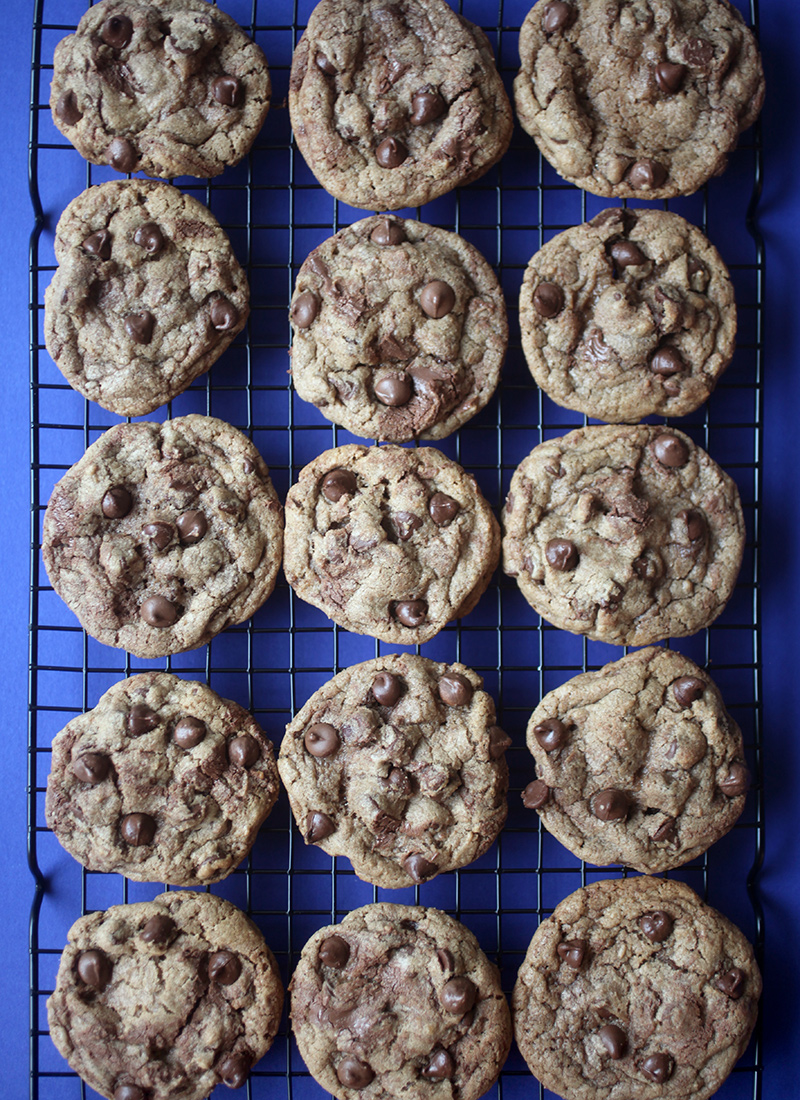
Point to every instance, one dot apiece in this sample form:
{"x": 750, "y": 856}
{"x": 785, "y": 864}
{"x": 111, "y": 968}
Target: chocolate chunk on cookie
{"x": 165, "y": 998}
{"x": 403, "y": 760}
{"x": 639, "y": 769}
{"x": 626, "y": 534}
{"x": 164, "y": 534}
{"x": 399, "y": 1000}
{"x": 400, "y": 330}
{"x": 148, "y": 294}
{"x": 637, "y": 100}
{"x": 645, "y": 319}
{"x": 661, "y": 1004}
{"x": 166, "y": 87}
{"x": 389, "y": 541}
{"x": 395, "y": 104}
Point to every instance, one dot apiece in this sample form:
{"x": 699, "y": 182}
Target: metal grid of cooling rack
{"x": 275, "y": 213}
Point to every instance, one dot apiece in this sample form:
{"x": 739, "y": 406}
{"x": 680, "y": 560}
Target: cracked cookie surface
{"x": 170, "y": 88}
{"x": 628, "y": 315}
{"x": 164, "y": 534}
{"x": 642, "y": 762}
{"x": 626, "y": 534}
{"x": 398, "y": 764}
{"x": 399, "y": 1000}
{"x": 163, "y": 781}
{"x": 148, "y": 294}
{"x": 637, "y": 98}
{"x": 400, "y": 330}
{"x": 165, "y": 999}
{"x": 635, "y": 987}
{"x": 389, "y": 541}
{"x": 393, "y": 104}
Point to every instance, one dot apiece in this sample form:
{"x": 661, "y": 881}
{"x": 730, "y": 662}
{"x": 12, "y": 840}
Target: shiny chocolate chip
{"x": 117, "y": 502}
{"x": 572, "y": 952}
{"x": 657, "y": 926}
{"x": 324, "y": 64}
{"x": 158, "y": 929}
{"x": 437, "y": 299}
{"x": 353, "y": 1073}
{"x": 94, "y": 969}
{"x": 732, "y": 983}
{"x": 305, "y": 309}
{"x": 227, "y": 90}
{"x": 627, "y": 254}
{"x": 614, "y": 1040}
{"x": 67, "y": 110}
{"x": 394, "y": 390}
{"x": 686, "y": 689}
{"x": 443, "y": 509}
{"x": 224, "y": 315}
{"x": 669, "y": 77}
{"x": 419, "y": 867}
{"x": 321, "y": 739}
{"x": 425, "y": 107}
{"x": 387, "y": 689}
{"x": 244, "y": 750}
{"x": 670, "y": 451}
{"x": 128, "y": 1092}
{"x": 141, "y": 719}
{"x": 666, "y": 361}
{"x": 138, "y": 830}
{"x": 548, "y": 299}
{"x": 610, "y": 805}
{"x": 339, "y": 483}
{"x": 658, "y": 1067}
{"x": 551, "y": 734}
{"x": 562, "y": 555}
{"x": 736, "y": 782}
{"x": 391, "y": 153}
{"x": 92, "y": 767}
{"x": 139, "y": 326}
{"x": 188, "y": 732}
{"x": 445, "y": 959}
{"x": 159, "y": 612}
{"x": 536, "y": 795}
{"x": 696, "y": 528}
{"x": 318, "y": 826}
{"x": 224, "y": 967}
{"x": 387, "y": 232}
{"x": 405, "y": 524}
{"x": 646, "y": 175}
{"x": 160, "y": 534}
{"x": 234, "y": 1070}
{"x": 192, "y": 525}
{"x": 98, "y": 244}
{"x": 334, "y": 951}
{"x": 666, "y": 830}
{"x": 441, "y": 1067}
{"x": 557, "y": 16}
{"x": 458, "y": 996}
{"x": 499, "y": 741}
{"x": 121, "y": 155}
{"x": 455, "y": 690}
{"x": 150, "y": 238}
{"x": 411, "y": 613}
{"x": 117, "y": 31}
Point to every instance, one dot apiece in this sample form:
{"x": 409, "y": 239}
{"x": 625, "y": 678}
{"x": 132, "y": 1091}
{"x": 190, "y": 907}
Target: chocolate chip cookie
{"x": 395, "y": 104}
{"x": 398, "y": 764}
{"x": 165, "y": 998}
{"x": 626, "y": 534}
{"x": 389, "y": 541}
{"x": 163, "y": 782}
{"x": 166, "y": 87}
{"x": 164, "y": 534}
{"x": 634, "y": 987}
{"x": 638, "y": 762}
{"x": 148, "y": 294}
{"x": 400, "y": 330}
{"x": 642, "y": 99}
{"x": 399, "y": 1000}
{"x": 629, "y": 315}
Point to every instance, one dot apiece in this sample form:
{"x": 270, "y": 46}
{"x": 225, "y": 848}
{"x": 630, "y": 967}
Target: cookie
{"x": 638, "y": 763}
{"x": 166, "y": 87}
{"x": 629, "y": 315}
{"x": 400, "y": 330}
{"x": 164, "y": 534}
{"x": 637, "y": 100}
{"x": 165, "y": 998}
{"x": 395, "y": 104}
{"x": 162, "y": 782}
{"x": 399, "y": 1001}
{"x": 398, "y": 764}
{"x": 625, "y": 534}
{"x": 148, "y": 294}
{"x": 388, "y": 541}
{"x": 634, "y": 987}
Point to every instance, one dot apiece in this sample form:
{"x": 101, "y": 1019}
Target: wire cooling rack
{"x": 275, "y": 213}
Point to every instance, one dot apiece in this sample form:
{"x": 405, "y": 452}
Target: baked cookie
{"x": 164, "y": 534}
{"x": 165, "y": 999}
{"x": 629, "y": 315}
{"x": 626, "y": 534}
{"x": 166, "y": 87}
{"x": 634, "y": 987}
{"x": 638, "y": 763}
{"x": 148, "y": 294}
{"x": 640, "y": 98}
{"x": 399, "y": 1001}
{"x": 395, "y": 104}
{"x": 389, "y": 541}
{"x": 398, "y": 764}
{"x": 400, "y": 330}
{"x": 163, "y": 782}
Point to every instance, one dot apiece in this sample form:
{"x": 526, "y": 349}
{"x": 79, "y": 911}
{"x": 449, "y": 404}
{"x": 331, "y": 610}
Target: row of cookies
{"x": 394, "y": 105}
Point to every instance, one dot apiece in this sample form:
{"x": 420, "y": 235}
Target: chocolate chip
{"x": 391, "y": 153}
{"x": 669, "y": 77}
{"x": 666, "y": 361}
{"x": 334, "y": 952}
{"x": 572, "y": 952}
{"x": 387, "y": 232}
{"x": 441, "y": 1067}
{"x": 244, "y": 750}
{"x": 150, "y": 238}
{"x": 305, "y": 309}
{"x": 325, "y": 64}
{"x": 646, "y": 174}
{"x": 387, "y": 689}
{"x": 224, "y": 315}
{"x": 437, "y": 299}
{"x": 657, "y": 926}
{"x": 98, "y": 244}
{"x": 339, "y": 483}
{"x": 227, "y": 90}
{"x": 688, "y": 688}
{"x": 67, "y": 110}
{"x": 455, "y": 690}
{"x": 117, "y": 502}
{"x": 318, "y": 826}
{"x": 658, "y": 1067}
{"x": 499, "y": 741}
{"x": 117, "y": 31}
{"x": 548, "y": 299}
{"x": 405, "y": 524}
{"x": 614, "y": 1040}
{"x": 188, "y": 732}
{"x": 536, "y": 795}
{"x": 141, "y": 719}
{"x": 696, "y": 528}
{"x": 732, "y": 983}
{"x": 234, "y": 1070}
{"x": 159, "y": 612}
{"x": 627, "y": 254}
{"x": 139, "y": 326}
{"x": 128, "y": 1092}
{"x": 557, "y": 16}
{"x": 158, "y": 929}
{"x": 394, "y": 390}
{"x": 411, "y": 613}
{"x": 670, "y": 451}
{"x": 224, "y": 967}
{"x": 419, "y": 867}
{"x": 736, "y": 782}
{"x": 443, "y": 509}
{"x": 666, "y": 830}
{"x": 122, "y": 155}
{"x": 94, "y": 969}
{"x": 425, "y": 107}
{"x": 562, "y": 555}
{"x": 92, "y": 768}
{"x": 138, "y": 830}
{"x": 458, "y": 996}
{"x": 551, "y": 734}
{"x": 445, "y": 959}
{"x": 321, "y": 739}
{"x": 610, "y": 805}
{"x": 191, "y": 526}
{"x": 698, "y": 51}
{"x": 159, "y": 533}
{"x": 354, "y": 1074}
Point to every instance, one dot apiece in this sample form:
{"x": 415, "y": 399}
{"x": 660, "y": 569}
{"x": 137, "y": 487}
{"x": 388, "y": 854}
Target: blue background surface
{"x": 779, "y": 218}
